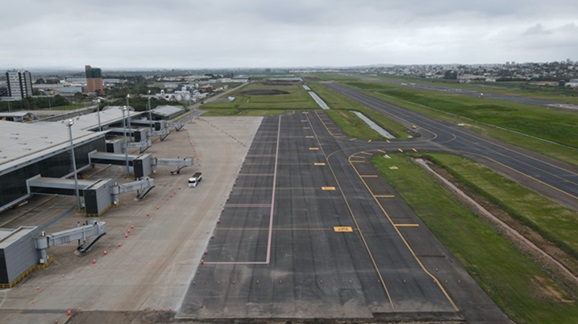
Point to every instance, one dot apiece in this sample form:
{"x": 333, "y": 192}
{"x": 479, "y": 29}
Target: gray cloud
{"x": 261, "y": 33}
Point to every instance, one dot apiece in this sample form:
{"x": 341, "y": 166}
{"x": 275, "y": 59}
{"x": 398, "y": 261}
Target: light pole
{"x": 125, "y": 141}
{"x": 69, "y": 123}
{"x": 149, "y": 109}
{"x": 128, "y": 111}
{"x": 190, "y": 107}
{"x": 98, "y": 114}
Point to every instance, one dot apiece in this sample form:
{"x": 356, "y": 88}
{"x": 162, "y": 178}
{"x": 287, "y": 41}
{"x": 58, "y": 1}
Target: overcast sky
{"x": 272, "y": 33}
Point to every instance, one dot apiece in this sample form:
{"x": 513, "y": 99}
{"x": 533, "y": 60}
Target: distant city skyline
{"x": 146, "y": 34}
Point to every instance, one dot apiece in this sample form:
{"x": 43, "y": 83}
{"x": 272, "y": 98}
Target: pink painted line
{"x": 247, "y": 205}
{"x": 272, "y": 205}
{"x": 273, "y": 193}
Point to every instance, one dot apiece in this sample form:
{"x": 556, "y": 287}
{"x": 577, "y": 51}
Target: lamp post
{"x": 128, "y": 111}
{"x": 125, "y": 141}
{"x": 69, "y": 123}
{"x": 98, "y": 114}
{"x": 149, "y": 110}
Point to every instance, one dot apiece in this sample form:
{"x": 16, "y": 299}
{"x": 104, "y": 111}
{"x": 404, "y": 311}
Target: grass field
{"x": 522, "y": 89}
{"x": 552, "y": 124}
{"x": 296, "y": 98}
{"x": 553, "y": 221}
{"x": 520, "y": 287}
{"x": 340, "y": 102}
{"x": 352, "y": 125}
{"x": 514, "y": 123}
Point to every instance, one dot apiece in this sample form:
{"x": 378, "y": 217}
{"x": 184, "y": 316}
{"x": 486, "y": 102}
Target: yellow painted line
{"x": 400, "y": 150}
{"x": 352, "y": 139}
{"x": 382, "y": 151}
{"x": 327, "y": 188}
{"x": 319, "y": 163}
{"x": 368, "y": 175}
{"x": 414, "y": 150}
{"x": 343, "y": 229}
{"x": 387, "y": 141}
{"x": 369, "y": 141}
{"x": 361, "y": 161}
{"x": 309, "y": 136}
{"x": 306, "y": 127}
{"x": 384, "y": 196}
{"x": 406, "y": 225}
{"x": 313, "y": 149}
{"x": 408, "y": 247}
{"x": 366, "y": 153}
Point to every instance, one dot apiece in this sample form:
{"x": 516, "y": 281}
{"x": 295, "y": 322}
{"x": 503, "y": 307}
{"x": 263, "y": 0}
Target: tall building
{"x": 19, "y": 84}
{"x": 93, "y": 80}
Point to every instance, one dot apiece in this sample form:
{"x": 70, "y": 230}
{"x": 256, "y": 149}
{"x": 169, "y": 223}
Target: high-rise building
{"x": 93, "y": 80}
{"x": 19, "y": 84}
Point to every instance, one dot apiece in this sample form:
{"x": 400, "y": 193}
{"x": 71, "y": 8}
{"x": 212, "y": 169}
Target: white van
{"x": 195, "y": 179}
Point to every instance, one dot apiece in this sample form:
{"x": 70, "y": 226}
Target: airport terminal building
{"x": 35, "y": 158}
{"x": 28, "y": 150}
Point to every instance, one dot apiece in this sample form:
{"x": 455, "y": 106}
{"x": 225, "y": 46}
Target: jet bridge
{"x": 160, "y": 127}
{"x": 178, "y": 125}
{"x": 142, "y": 145}
{"x": 92, "y": 227}
{"x": 136, "y": 134}
{"x": 142, "y": 187}
{"x": 140, "y": 164}
{"x": 162, "y": 133}
{"x": 99, "y": 195}
{"x": 179, "y": 163}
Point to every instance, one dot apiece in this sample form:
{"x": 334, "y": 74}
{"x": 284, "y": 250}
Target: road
{"x": 551, "y": 178}
{"x": 311, "y": 231}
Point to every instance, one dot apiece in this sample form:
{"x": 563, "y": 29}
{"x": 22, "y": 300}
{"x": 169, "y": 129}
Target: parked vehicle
{"x": 195, "y": 179}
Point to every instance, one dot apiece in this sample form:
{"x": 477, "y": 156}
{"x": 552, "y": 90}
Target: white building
{"x": 572, "y": 83}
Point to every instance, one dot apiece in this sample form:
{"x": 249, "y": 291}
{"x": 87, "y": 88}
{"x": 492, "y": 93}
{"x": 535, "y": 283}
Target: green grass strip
{"x": 338, "y": 101}
{"x": 517, "y": 285}
{"x": 552, "y": 220}
{"x": 352, "y": 125}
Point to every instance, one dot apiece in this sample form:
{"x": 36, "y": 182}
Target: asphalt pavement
{"x": 310, "y": 231}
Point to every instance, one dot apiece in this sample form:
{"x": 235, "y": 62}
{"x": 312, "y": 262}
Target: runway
{"x": 488, "y": 95}
{"x": 309, "y": 231}
{"x": 551, "y": 178}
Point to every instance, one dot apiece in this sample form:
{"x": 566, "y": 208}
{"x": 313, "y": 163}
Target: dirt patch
{"x": 345, "y": 115}
{"x": 272, "y": 92}
{"x": 548, "y": 288}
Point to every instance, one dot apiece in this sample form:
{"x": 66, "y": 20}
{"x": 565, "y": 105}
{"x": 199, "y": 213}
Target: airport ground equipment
{"x": 92, "y": 228}
{"x": 179, "y": 163}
